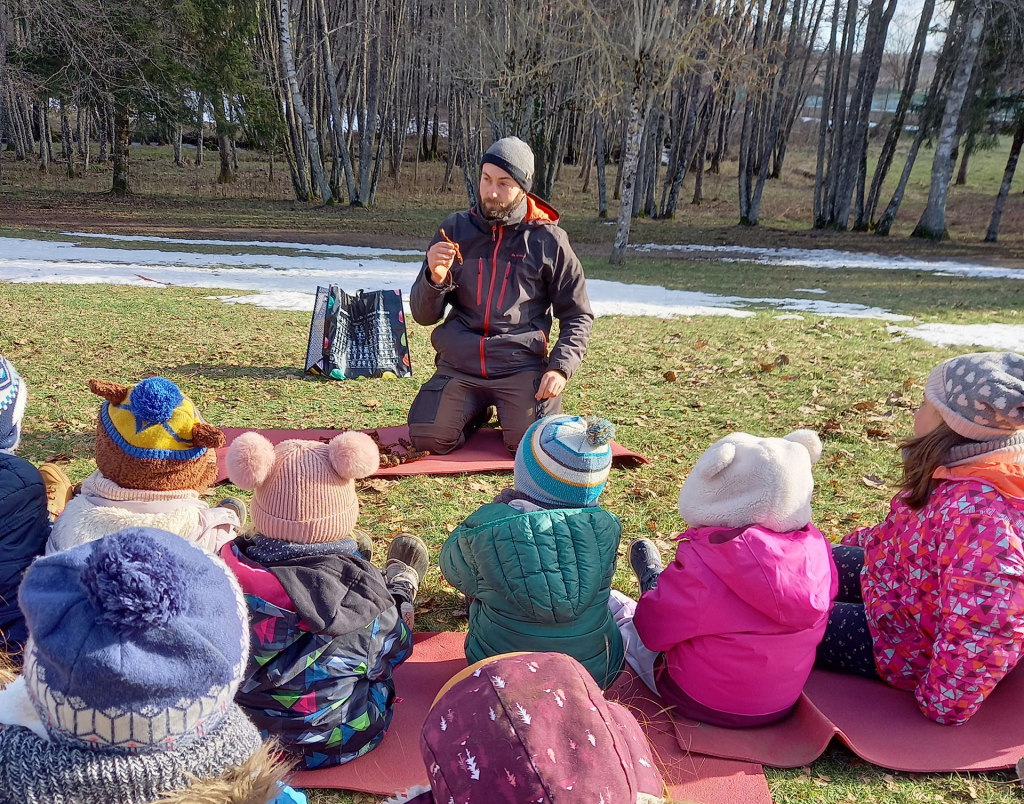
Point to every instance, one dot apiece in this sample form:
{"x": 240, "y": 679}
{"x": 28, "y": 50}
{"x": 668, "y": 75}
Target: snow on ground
{"x": 831, "y": 258}
{"x": 1007, "y": 337}
{"x": 288, "y": 281}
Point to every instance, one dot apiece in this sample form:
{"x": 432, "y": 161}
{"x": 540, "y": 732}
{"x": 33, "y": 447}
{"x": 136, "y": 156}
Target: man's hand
{"x": 551, "y": 385}
{"x": 440, "y": 257}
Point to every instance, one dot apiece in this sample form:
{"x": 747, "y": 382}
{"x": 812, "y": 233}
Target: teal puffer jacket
{"x": 539, "y": 582}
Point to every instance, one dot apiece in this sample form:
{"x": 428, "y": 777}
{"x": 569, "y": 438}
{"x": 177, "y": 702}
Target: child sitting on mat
{"x": 932, "y": 598}
{"x": 24, "y": 524}
{"x": 327, "y": 626}
{"x": 537, "y": 563}
{"x": 137, "y": 643}
{"x": 742, "y": 608}
{"x": 155, "y": 458}
{"x": 526, "y": 727}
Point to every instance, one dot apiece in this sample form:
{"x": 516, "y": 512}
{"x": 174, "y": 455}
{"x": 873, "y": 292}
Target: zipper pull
{"x": 493, "y": 237}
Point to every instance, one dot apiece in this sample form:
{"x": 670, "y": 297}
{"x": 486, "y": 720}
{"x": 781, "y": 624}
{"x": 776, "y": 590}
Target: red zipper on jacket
{"x": 479, "y": 279}
{"x": 490, "y": 294}
{"x": 504, "y": 284}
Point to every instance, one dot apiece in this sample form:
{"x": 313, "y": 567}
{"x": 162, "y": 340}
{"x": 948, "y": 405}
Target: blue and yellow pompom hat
{"x": 151, "y": 436}
{"x": 565, "y": 460}
{"x": 13, "y": 395}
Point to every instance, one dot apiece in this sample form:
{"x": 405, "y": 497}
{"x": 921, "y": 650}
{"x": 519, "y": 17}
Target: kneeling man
{"x": 504, "y": 267}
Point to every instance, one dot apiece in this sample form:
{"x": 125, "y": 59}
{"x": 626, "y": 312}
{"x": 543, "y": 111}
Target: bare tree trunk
{"x": 900, "y": 116}
{"x": 227, "y": 173}
{"x": 100, "y": 119}
{"x": 638, "y": 113}
{"x": 337, "y": 119}
{"x": 176, "y": 144}
{"x": 44, "y": 132}
{"x": 602, "y": 188}
{"x": 933, "y": 220}
{"x": 83, "y": 124}
{"x": 200, "y": 130}
{"x": 961, "y": 176}
{"x": 120, "y": 145}
{"x": 67, "y": 148}
{"x": 1004, "y": 188}
{"x": 315, "y": 162}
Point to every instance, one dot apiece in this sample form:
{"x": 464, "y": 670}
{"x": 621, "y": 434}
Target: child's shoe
{"x": 59, "y": 489}
{"x": 404, "y": 569}
{"x": 238, "y": 506}
{"x": 645, "y": 561}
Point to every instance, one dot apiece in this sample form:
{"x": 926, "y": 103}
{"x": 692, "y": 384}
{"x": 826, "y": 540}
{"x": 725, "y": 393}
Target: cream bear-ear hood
{"x": 744, "y": 480}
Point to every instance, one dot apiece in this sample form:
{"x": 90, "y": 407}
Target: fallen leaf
{"x": 874, "y": 432}
{"x": 461, "y": 612}
{"x": 873, "y": 482}
{"x": 832, "y": 427}
{"x": 972, "y": 792}
{"x": 670, "y": 376}
{"x": 909, "y": 383}
{"x": 889, "y": 780}
{"x": 766, "y": 367}
{"x": 478, "y": 486}
{"x": 371, "y": 403}
{"x": 701, "y": 343}
{"x": 664, "y": 546}
{"x": 782, "y": 360}
{"x": 868, "y": 404}
{"x": 378, "y": 484}
{"x": 674, "y": 338}
{"x": 448, "y": 526}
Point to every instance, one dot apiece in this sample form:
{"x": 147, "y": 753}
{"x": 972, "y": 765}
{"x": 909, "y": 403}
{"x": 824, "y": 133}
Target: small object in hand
{"x": 458, "y": 251}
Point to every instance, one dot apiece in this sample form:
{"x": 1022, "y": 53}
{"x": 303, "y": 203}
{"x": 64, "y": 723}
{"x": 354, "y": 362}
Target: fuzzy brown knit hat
{"x": 150, "y": 436}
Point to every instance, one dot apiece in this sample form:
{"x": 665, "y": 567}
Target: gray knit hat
{"x": 980, "y": 396}
{"x": 513, "y": 156}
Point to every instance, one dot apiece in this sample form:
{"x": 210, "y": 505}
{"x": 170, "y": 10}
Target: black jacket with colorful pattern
{"x": 512, "y": 277}
{"x": 326, "y": 639}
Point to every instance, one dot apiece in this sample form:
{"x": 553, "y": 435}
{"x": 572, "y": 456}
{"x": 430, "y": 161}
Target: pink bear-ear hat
{"x": 250, "y": 460}
{"x": 353, "y": 455}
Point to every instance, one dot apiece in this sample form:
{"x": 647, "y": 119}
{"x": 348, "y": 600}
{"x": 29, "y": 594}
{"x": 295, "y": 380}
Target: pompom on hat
{"x": 304, "y": 491}
{"x": 13, "y": 397}
{"x": 744, "y": 480}
{"x": 150, "y": 436}
{"x": 137, "y": 642}
{"x": 565, "y": 460}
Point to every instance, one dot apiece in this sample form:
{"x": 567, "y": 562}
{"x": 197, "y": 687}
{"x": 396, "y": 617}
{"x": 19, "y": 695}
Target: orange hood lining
{"x": 538, "y": 211}
{"x": 1007, "y": 478}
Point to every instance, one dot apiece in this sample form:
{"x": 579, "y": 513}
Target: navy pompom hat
{"x": 565, "y": 460}
{"x": 137, "y": 642}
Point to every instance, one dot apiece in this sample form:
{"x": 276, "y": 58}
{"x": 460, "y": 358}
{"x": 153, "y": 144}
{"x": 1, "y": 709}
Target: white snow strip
{"x": 288, "y": 282}
{"x": 1008, "y": 337}
{"x": 810, "y": 290}
{"x": 831, "y": 258}
{"x": 313, "y": 248}
{"x": 789, "y": 317}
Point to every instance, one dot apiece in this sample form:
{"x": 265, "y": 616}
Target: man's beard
{"x": 494, "y": 210}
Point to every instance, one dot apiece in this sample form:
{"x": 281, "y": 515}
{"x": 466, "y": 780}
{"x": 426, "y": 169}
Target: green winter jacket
{"x": 539, "y": 582}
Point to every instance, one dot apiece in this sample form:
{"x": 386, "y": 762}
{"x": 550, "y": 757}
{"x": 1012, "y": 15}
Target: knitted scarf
{"x": 35, "y": 771}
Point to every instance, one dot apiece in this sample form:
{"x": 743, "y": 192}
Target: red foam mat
{"x": 396, "y": 765}
{"x": 882, "y": 725}
{"x": 483, "y": 452}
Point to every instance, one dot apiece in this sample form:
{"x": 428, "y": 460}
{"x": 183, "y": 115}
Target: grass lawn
{"x": 849, "y": 379}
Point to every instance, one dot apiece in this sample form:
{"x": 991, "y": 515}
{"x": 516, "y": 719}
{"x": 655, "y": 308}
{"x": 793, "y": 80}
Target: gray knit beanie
{"x": 980, "y": 396}
{"x": 513, "y": 156}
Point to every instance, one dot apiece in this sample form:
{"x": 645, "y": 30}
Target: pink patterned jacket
{"x": 944, "y": 594}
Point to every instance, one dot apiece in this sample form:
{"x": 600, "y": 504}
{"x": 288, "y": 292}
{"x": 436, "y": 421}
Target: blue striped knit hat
{"x": 565, "y": 460}
{"x": 13, "y": 394}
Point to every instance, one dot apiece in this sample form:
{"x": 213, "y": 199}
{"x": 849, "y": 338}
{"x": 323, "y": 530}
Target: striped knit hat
{"x": 150, "y": 436}
{"x": 305, "y": 491}
{"x": 13, "y": 395}
{"x": 565, "y": 460}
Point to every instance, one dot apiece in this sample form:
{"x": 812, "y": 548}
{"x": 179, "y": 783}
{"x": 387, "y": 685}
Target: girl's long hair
{"x": 921, "y": 457}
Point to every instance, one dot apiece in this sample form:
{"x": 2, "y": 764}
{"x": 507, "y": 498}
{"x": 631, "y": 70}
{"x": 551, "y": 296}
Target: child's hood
{"x": 789, "y": 577}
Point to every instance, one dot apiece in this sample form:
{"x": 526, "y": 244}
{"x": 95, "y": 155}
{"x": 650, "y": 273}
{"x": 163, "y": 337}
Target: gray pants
{"x": 447, "y": 409}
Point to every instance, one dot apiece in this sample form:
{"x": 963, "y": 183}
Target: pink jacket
{"x": 944, "y": 593}
{"x": 739, "y": 614}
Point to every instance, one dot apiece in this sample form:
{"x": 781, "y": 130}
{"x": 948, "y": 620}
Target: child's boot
{"x": 645, "y": 561}
{"x": 58, "y": 489}
{"x": 404, "y": 570}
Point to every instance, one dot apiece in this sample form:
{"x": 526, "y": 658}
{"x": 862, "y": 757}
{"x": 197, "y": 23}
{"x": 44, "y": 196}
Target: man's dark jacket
{"x": 513, "y": 276}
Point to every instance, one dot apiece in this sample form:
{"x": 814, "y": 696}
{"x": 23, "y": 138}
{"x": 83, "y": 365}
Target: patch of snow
{"x": 286, "y": 282}
{"x": 831, "y": 258}
{"x": 789, "y": 317}
{"x": 810, "y": 290}
{"x": 1008, "y": 337}
{"x": 313, "y": 248}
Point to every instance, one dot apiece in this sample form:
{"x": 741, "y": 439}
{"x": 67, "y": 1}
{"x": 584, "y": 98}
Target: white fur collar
{"x": 16, "y": 708}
